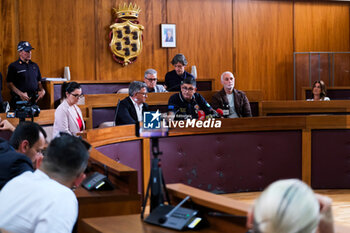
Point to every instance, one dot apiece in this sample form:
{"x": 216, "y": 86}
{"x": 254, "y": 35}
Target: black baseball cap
{"x": 24, "y": 45}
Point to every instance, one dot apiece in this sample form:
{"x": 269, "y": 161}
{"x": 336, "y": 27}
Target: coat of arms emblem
{"x": 126, "y": 34}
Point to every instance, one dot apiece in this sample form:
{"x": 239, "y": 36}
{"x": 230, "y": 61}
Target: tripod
{"x": 156, "y": 181}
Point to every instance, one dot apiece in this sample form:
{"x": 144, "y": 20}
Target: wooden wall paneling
{"x": 62, "y": 33}
{"x": 204, "y": 35}
{"x": 152, "y": 56}
{"x": 342, "y": 69}
{"x": 321, "y": 26}
{"x": 263, "y": 47}
{"x": 9, "y": 37}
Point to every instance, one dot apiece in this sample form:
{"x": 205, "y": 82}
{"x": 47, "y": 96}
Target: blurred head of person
{"x": 66, "y": 159}
{"x": 287, "y": 206}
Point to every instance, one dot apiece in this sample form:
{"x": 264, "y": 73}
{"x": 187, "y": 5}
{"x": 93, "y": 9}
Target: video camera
{"x": 25, "y": 109}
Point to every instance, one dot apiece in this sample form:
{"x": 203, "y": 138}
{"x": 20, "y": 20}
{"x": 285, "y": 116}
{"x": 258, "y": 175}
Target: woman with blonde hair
{"x": 290, "y": 206}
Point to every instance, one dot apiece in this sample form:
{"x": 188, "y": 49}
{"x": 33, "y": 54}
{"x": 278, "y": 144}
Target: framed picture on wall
{"x": 168, "y": 35}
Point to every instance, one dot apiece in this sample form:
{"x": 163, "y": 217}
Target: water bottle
{"x": 194, "y": 71}
{"x": 66, "y": 73}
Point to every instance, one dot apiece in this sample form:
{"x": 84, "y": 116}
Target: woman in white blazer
{"x": 68, "y": 116}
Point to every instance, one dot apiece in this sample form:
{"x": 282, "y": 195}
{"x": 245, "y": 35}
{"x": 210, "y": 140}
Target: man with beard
{"x": 233, "y": 102}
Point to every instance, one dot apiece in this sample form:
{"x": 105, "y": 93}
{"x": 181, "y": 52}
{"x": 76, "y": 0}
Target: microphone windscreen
{"x": 220, "y": 111}
{"x": 201, "y": 115}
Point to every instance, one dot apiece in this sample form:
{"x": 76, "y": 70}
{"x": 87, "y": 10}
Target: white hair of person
{"x": 287, "y": 206}
{"x": 226, "y": 72}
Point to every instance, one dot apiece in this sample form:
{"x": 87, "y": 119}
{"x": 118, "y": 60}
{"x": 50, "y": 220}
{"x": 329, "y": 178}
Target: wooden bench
{"x": 46, "y": 119}
{"x": 53, "y": 88}
{"x": 103, "y": 105}
{"x": 334, "y": 93}
{"x": 302, "y": 107}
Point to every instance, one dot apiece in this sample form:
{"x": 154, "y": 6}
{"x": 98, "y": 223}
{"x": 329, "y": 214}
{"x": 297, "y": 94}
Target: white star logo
{"x": 155, "y": 115}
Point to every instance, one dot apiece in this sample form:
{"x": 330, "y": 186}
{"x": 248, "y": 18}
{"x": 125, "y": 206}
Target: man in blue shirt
{"x": 24, "y": 77}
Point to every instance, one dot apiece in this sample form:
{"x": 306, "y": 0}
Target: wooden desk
{"x": 203, "y": 201}
{"x": 53, "y": 88}
{"x": 126, "y": 224}
{"x": 207, "y": 202}
{"x": 302, "y": 107}
{"x": 124, "y": 199}
{"x": 334, "y": 93}
{"x": 103, "y": 105}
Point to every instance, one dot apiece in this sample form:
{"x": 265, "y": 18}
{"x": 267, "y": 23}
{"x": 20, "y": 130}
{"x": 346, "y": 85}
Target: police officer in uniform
{"x": 188, "y": 104}
{"x": 24, "y": 77}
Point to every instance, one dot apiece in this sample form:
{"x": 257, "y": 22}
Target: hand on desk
{"x": 6, "y": 125}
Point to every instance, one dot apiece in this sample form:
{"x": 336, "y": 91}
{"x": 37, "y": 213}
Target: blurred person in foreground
{"x": 43, "y": 201}
{"x": 290, "y": 206}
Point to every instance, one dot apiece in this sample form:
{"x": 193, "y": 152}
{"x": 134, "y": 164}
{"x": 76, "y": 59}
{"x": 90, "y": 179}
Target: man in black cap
{"x": 24, "y": 77}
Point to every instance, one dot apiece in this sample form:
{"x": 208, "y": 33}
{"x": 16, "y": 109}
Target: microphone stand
{"x": 156, "y": 182}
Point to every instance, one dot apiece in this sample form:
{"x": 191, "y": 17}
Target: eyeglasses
{"x": 144, "y": 94}
{"x": 152, "y": 79}
{"x": 77, "y": 95}
{"x": 187, "y": 89}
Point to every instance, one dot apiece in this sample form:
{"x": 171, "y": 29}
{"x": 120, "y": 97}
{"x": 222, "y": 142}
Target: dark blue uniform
{"x": 188, "y": 110}
{"x": 173, "y": 81}
{"x": 25, "y": 77}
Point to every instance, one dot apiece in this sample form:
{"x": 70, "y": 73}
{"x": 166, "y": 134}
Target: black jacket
{"x": 126, "y": 113}
{"x": 12, "y": 163}
{"x": 188, "y": 110}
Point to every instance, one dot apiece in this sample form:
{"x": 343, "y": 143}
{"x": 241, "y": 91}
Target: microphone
{"x": 220, "y": 112}
{"x": 214, "y": 113}
{"x": 163, "y": 219}
{"x": 201, "y": 115}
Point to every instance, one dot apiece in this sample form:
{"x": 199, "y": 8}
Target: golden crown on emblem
{"x": 127, "y": 11}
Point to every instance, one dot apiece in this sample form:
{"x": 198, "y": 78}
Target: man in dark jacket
{"x": 188, "y": 104}
{"x": 130, "y": 110}
{"x": 234, "y": 103}
{"x": 22, "y": 152}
